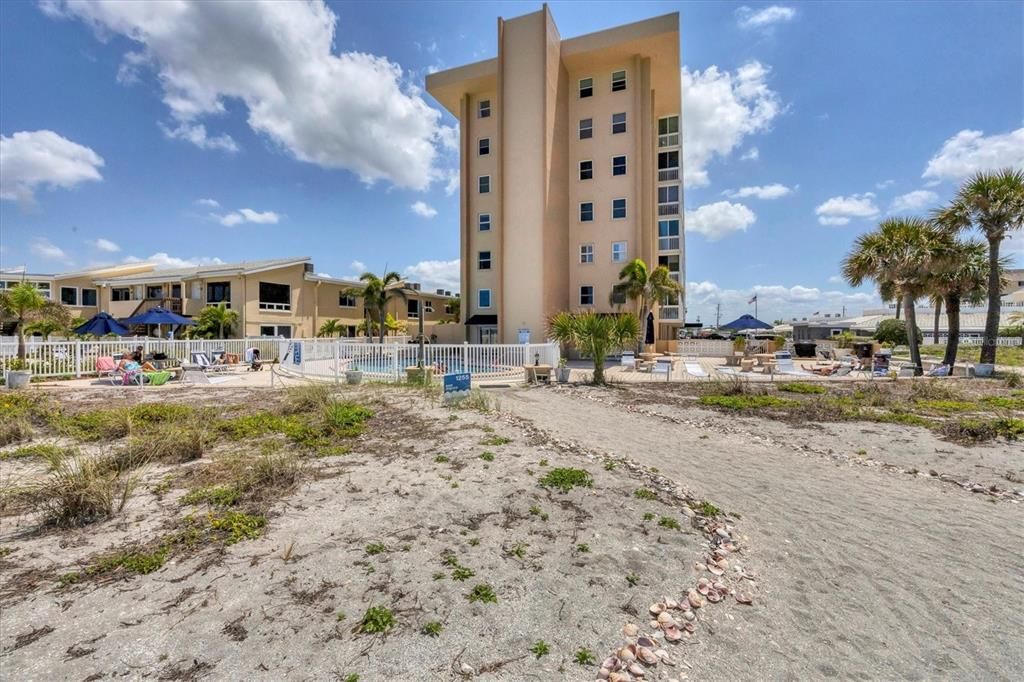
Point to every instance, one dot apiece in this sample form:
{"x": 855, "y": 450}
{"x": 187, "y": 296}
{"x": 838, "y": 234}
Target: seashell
{"x": 720, "y": 553}
{"x": 645, "y": 655}
{"x": 689, "y": 615}
{"x": 653, "y": 624}
{"x": 672, "y": 633}
{"x": 664, "y": 657}
{"x": 627, "y": 654}
{"x": 630, "y": 630}
{"x": 636, "y": 669}
{"x": 690, "y": 627}
{"x": 695, "y": 599}
{"x": 744, "y": 598}
{"x": 611, "y": 663}
{"x": 703, "y": 581}
{"x": 645, "y": 641}
{"x": 722, "y": 533}
{"x": 714, "y": 596}
{"x": 715, "y": 569}
{"x": 671, "y": 603}
{"x": 665, "y": 618}
{"x": 656, "y": 608}
{"x": 620, "y": 677}
{"x": 603, "y": 674}
{"x": 699, "y": 566}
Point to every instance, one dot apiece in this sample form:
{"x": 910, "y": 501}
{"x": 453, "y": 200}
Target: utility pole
{"x": 718, "y": 314}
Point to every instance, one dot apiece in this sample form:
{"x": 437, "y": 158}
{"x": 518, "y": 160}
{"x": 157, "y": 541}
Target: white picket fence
{"x": 330, "y": 359}
{"x": 74, "y": 358}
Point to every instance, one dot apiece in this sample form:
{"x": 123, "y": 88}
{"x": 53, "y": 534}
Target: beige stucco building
{"x": 570, "y": 167}
{"x": 280, "y": 297}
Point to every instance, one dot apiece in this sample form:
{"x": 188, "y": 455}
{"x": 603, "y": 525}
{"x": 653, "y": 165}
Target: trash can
{"x": 804, "y": 349}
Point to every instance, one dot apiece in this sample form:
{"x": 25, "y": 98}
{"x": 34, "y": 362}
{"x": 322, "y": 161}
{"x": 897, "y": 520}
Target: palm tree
{"x": 330, "y": 328}
{"x": 455, "y": 305}
{"x": 24, "y": 305}
{"x": 594, "y": 335}
{"x": 218, "y": 317}
{"x": 898, "y": 256}
{"x": 963, "y": 280}
{"x": 638, "y": 283}
{"x": 378, "y": 292}
{"x": 992, "y": 202}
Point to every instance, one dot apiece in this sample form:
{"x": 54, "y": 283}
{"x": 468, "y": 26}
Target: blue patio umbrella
{"x": 158, "y": 316}
{"x": 746, "y": 322}
{"x": 101, "y": 325}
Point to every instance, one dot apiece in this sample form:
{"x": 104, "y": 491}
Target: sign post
{"x": 297, "y": 353}
{"x": 456, "y": 386}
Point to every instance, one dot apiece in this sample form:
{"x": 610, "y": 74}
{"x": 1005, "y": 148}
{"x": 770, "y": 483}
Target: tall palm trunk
{"x": 911, "y": 321}
{"x": 643, "y": 327}
{"x": 22, "y": 350}
{"x": 952, "y": 330}
{"x": 935, "y": 322}
{"x": 383, "y": 331}
{"x": 988, "y": 345}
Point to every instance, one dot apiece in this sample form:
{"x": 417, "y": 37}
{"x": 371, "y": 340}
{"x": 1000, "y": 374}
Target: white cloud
{"x": 448, "y": 136}
{"x": 106, "y": 245}
{"x": 835, "y": 279}
{"x": 969, "y": 152}
{"x": 349, "y": 110}
{"x": 196, "y": 134}
{"x": 752, "y": 154}
{"x": 434, "y": 274}
{"x": 44, "y": 248}
{"x": 453, "y": 182}
{"x": 721, "y": 108}
{"x": 424, "y": 209}
{"x": 719, "y": 219}
{"x": 840, "y": 210}
{"x": 208, "y": 203}
{"x": 246, "y": 215}
{"x": 358, "y": 267}
{"x": 163, "y": 260}
{"x": 884, "y": 184}
{"x": 766, "y": 18}
{"x": 913, "y": 202}
{"x": 773, "y": 191}
{"x": 774, "y": 301}
{"x": 42, "y": 158}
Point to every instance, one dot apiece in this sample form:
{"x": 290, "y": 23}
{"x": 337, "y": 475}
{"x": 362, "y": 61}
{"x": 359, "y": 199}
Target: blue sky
{"x": 804, "y": 124}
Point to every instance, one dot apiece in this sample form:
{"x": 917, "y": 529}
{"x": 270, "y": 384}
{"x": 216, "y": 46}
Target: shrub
{"x": 80, "y": 490}
{"x": 669, "y": 522}
{"x": 583, "y": 657}
{"x": 1004, "y": 402}
{"x": 47, "y": 451}
{"x": 801, "y": 387}
{"x": 217, "y": 495}
{"x": 565, "y": 479}
{"x": 540, "y": 648}
{"x": 132, "y": 562}
{"x": 483, "y": 593}
{"x": 894, "y": 333}
{"x": 237, "y": 526}
{"x": 644, "y": 494}
{"x": 376, "y": 620}
{"x": 345, "y": 419}
{"x": 705, "y": 508}
{"x": 432, "y": 629}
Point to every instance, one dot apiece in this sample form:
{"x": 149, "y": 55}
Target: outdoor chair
{"x": 106, "y": 368}
{"x": 694, "y": 368}
{"x": 662, "y": 366}
{"x": 204, "y": 362}
{"x": 156, "y": 378}
{"x": 940, "y": 371}
{"x": 784, "y": 365}
{"x": 628, "y": 361}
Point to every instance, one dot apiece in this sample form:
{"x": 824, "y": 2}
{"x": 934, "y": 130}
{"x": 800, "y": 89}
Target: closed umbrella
{"x": 158, "y": 316}
{"x": 649, "y": 333}
{"x": 101, "y": 325}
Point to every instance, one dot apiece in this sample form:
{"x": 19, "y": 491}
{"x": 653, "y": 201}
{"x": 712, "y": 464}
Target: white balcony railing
{"x": 275, "y": 306}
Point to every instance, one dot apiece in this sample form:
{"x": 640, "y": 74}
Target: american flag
{"x": 753, "y": 300}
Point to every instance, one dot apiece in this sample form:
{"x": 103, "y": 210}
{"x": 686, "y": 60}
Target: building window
{"x": 587, "y": 211}
{"x": 485, "y": 146}
{"x": 412, "y": 309}
{"x": 282, "y": 330}
{"x": 154, "y": 292}
{"x": 217, "y": 292}
{"x": 668, "y": 235}
{"x": 586, "y": 87}
{"x": 483, "y": 260}
{"x": 671, "y": 263}
{"x": 668, "y": 166}
{"x": 121, "y": 294}
{"x": 275, "y": 296}
{"x": 483, "y": 298}
{"x": 428, "y": 306}
{"x": 618, "y": 297}
{"x": 618, "y": 165}
{"x": 618, "y": 123}
{"x": 69, "y": 295}
{"x": 587, "y": 253}
{"x": 587, "y": 295}
{"x": 346, "y": 300}
{"x": 43, "y": 287}
{"x": 668, "y": 200}
{"x": 175, "y": 291}
{"x": 618, "y": 208}
{"x": 618, "y": 81}
{"x": 586, "y": 128}
{"x": 586, "y": 170}
{"x": 484, "y": 109}
{"x": 668, "y": 131}
{"x": 618, "y": 252}
{"x": 484, "y": 184}
{"x": 485, "y": 222}
{"x": 88, "y": 297}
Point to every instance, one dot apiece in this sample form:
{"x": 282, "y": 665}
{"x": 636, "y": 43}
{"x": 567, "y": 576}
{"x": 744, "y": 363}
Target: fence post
{"x": 337, "y": 352}
{"x": 394, "y": 362}
{"x": 78, "y": 358}
{"x": 465, "y": 356}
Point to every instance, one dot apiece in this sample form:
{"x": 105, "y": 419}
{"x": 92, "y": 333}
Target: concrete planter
{"x": 353, "y": 376}
{"x": 984, "y": 369}
{"x": 562, "y": 375}
{"x": 18, "y": 378}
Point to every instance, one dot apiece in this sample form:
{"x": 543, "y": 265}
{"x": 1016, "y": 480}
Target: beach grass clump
{"x": 482, "y": 593}
{"x": 645, "y": 494}
{"x": 47, "y": 451}
{"x": 540, "y": 648}
{"x": 345, "y": 419}
{"x": 170, "y": 443}
{"x": 432, "y": 629}
{"x": 747, "y": 402}
{"x": 801, "y": 387}
{"x": 941, "y": 405}
{"x": 307, "y": 398}
{"x": 495, "y": 440}
{"x": 980, "y": 430}
{"x": 565, "y": 479}
{"x": 80, "y": 490}
{"x": 215, "y": 495}
{"x": 1011, "y": 402}
{"x": 705, "y": 508}
{"x": 669, "y": 522}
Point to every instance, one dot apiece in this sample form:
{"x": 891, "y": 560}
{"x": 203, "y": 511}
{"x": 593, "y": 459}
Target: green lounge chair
{"x": 157, "y": 378}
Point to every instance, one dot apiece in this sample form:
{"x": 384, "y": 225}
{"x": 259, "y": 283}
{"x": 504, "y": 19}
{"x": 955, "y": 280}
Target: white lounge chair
{"x": 694, "y": 368}
{"x": 628, "y": 361}
{"x": 662, "y": 366}
{"x": 207, "y": 365}
{"x": 784, "y": 365}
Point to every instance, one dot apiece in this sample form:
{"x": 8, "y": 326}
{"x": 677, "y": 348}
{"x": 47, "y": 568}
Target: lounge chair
{"x": 198, "y": 376}
{"x": 693, "y": 367}
{"x": 106, "y": 368}
{"x": 784, "y": 365}
{"x": 156, "y": 378}
{"x": 204, "y": 362}
{"x": 662, "y": 366}
{"x": 628, "y": 361}
{"x": 940, "y": 371}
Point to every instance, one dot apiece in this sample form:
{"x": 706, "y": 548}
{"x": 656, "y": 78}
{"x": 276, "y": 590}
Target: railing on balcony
{"x": 275, "y": 306}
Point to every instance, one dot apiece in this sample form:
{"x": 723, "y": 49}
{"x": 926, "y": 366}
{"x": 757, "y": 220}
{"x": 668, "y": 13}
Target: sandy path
{"x": 866, "y": 574}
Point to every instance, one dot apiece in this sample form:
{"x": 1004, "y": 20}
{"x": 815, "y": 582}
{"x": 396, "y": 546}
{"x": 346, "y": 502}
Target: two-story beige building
{"x": 570, "y": 168}
{"x": 280, "y": 297}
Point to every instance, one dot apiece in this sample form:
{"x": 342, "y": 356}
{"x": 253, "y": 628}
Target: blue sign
{"x": 297, "y": 353}
{"x": 457, "y": 385}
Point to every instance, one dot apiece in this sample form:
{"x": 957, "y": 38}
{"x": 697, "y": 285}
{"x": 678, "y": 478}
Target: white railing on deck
{"x": 331, "y": 358}
{"x": 705, "y": 347}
